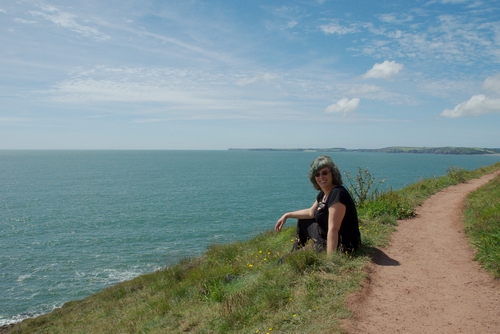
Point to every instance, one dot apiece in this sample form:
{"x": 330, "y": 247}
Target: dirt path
{"x": 426, "y": 281}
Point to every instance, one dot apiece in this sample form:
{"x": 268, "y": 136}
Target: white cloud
{"x": 373, "y": 92}
{"x": 364, "y": 90}
{"x": 67, "y": 20}
{"x": 448, "y": 37}
{"x": 171, "y": 93}
{"x": 453, "y": 2}
{"x": 344, "y": 105}
{"x": 389, "y": 18}
{"x": 476, "y": 106}
{"x": 90, "y": 90}
{"x": 492, "y": 83}
{"x": 3, "y": 11}
{"x": 479, "y": 104}
{"x": 23, "y": 21}
{"x": 393, "y": 18}
{"x": 384, "y": 70}
{"x": 334, "y": 28}
{"x": 266, "y": 77}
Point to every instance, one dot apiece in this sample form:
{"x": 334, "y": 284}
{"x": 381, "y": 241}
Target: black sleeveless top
{"x": 349, "y": 236}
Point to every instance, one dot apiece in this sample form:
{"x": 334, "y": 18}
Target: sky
{"x": 219, "y": 74}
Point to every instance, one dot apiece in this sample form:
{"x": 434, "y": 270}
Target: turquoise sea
{"x": 75, "y": 222}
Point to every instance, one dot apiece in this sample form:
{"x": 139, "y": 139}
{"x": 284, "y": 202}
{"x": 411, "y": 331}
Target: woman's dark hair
{"x": 320, "y": 163}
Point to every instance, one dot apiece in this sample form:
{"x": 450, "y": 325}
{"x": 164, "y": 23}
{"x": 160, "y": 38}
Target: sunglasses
{"x": 323, "y": 173}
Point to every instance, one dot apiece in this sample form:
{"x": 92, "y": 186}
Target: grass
{"x": 482, "y": 222}
{"x": 254, "y": 286}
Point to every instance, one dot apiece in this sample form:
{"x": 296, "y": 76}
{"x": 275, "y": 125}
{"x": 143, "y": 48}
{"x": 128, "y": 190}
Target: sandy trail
{"x": 426, "y": 281}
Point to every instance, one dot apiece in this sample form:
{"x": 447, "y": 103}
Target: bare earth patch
{"x": 426, "y": 280}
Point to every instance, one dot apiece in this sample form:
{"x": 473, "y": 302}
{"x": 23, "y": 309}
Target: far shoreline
{"x": 447, "y": 150}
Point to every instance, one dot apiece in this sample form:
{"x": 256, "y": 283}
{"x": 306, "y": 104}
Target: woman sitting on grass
{"x": 332, "y": 221}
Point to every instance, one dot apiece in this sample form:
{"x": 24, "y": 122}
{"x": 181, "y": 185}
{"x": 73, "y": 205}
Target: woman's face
{"x": 324, "y": 177}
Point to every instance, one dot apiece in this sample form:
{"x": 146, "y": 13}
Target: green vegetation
{"x": 249, "y": 287}
{"x": 362, "y": 186}
{"x": 334, "y": 149}
{"x": 392, "y": 149}
{"x": 482, "y": 221}
{"x": 440, "y": 150}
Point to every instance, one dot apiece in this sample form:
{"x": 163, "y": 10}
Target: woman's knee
{"x": 304, "y": 224}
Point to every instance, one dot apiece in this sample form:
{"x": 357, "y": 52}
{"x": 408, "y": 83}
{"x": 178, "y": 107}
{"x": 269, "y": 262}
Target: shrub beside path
{"x": 426, "y": 280}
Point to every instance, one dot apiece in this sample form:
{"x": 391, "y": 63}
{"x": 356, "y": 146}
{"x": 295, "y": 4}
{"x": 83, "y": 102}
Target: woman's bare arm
{"x": 336, "y": 214}
{"x": 299, "y": 214}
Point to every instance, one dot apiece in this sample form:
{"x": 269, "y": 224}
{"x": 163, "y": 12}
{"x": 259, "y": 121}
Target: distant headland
{"x": 392, "y": 149}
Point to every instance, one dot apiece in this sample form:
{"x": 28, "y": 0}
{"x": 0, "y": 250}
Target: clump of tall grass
{"x": 389, "y": 204}
{"x": 363, "y": 187}
{"x": 373, "y": 204}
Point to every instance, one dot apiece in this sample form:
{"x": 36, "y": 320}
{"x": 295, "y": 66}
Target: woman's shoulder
{"x": 339, "y": 193}
{"x": 339, "y": 188}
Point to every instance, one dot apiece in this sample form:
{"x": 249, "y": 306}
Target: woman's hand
{"x": 300, "y": 214}
{"x": 280, "y": 223}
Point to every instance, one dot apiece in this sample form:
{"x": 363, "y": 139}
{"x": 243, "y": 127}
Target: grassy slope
{"x": 482, "y": 221}
{"x": 241, "y": 287}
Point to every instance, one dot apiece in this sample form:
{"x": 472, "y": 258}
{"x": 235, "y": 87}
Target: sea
{"x": 76, "y": 222}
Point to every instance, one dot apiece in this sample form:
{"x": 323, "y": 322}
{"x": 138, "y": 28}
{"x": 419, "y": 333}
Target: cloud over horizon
{"x": 492, "y": 83}
{"x": 479, "y": 104}
{"x": 385, "y": 70}
{"x": 344, "y": 106}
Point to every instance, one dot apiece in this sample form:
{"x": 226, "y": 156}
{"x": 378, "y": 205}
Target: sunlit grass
{"x": 482, "y": 220}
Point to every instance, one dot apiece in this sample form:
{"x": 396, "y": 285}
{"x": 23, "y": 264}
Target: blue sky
{"x": 192, "y": 74}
